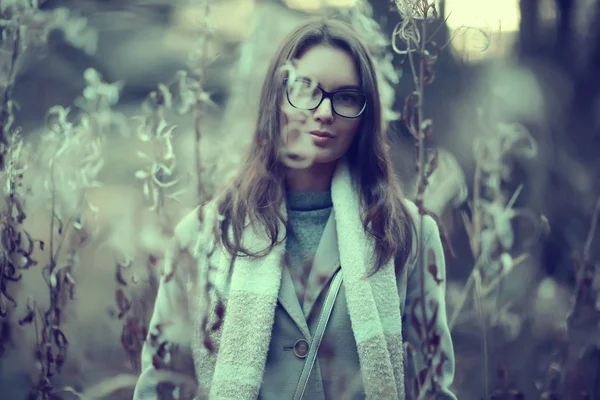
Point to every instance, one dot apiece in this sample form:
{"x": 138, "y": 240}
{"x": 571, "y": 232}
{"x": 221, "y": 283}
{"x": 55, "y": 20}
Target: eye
{"x": 303, "y": 93}
{"x": 348, "y": 97}
{"x": 304, "y": 87}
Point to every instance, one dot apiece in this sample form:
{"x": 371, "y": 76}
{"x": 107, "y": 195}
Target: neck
{"x": 316, "y": 178}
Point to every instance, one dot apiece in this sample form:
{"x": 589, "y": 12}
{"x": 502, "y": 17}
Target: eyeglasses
{"x": 303, "y": 94}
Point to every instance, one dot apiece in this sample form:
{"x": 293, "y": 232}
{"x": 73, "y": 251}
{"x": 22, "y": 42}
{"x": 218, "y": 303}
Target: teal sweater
{"x": 308, "y": 213}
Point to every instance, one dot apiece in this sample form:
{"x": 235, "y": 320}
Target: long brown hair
{"x": 259, "y": 190}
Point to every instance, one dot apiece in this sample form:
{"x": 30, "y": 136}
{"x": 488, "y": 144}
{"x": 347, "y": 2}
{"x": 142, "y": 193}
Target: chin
{"x": 326, "y": 158}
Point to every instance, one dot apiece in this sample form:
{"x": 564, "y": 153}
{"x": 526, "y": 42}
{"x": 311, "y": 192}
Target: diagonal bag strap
{"x": 318, "y": 336}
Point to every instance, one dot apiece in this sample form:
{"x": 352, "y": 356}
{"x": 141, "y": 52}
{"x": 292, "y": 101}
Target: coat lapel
{"x": 289, "y": 301}
{"x": 325, "y": 263}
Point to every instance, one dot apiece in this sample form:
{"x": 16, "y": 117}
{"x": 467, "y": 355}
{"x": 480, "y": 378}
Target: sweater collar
{"x": 308, "y": 201}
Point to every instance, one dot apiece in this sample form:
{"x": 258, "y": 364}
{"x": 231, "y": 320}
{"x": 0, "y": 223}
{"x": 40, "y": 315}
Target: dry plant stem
{"x": 11, "y": 226}
{"x": 586, "y": 253}
{"x": 444, "y": 24}
{"x": 197, "y": 151}
{"x": 421, "y": 159}
{"x": 578, "y": 304}
{"x": 514, "y": 197}
{"x": 465, "y": 293}
{"x": 52, "y": 215}
{"x": 476, "y": 227}
{"x": 484, "y": 350}
{"x": 54, "y": 254}
{"x": 47, "y": 337}
{"x": 5, "y": 111}
{"x": 498, "y": 280}
{"x": 485, "y": 291}
{"x": 592, "y": 232}
{"x": 417, "y": 44}
{"x": 199, "y": 100}
{"x": 420, "y": 85}
{"x": 475, "y": 277}
{"x": 474, "y": 230}
{"x": 38, "y": 345}
{"x": 105, "y": 388}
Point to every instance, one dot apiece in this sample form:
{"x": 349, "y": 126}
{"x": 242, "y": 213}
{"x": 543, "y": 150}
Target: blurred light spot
{"x": 482, "y": 29}
{"x": 304, "y": 5}
{"x": 547, "y": 290}
{"x": 313, "y": 5}
{"x": 340, "y": 3}
{"x": 548, "y": 12}
{"x": 231, "y": 19}
{"x": 482, "y": 14}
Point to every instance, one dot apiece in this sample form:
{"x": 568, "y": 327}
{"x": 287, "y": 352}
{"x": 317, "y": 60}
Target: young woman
{"x": 305, "y": 278}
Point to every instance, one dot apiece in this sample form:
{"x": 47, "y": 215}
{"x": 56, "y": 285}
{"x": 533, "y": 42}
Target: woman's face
{"x": 329, "y": 134}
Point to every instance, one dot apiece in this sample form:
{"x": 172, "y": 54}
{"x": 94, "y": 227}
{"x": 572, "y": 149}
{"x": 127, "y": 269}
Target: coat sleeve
{"x": 430, "y": 338}
{"x": 167, "y": 367}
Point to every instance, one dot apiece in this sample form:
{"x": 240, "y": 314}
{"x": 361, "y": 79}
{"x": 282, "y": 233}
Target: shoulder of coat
{"x": 194, "y": 223}
{"x": 429, "y": 225}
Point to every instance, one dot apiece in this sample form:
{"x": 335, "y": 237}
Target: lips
{"x": 321, "y": 134}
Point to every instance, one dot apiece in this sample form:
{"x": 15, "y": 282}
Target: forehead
{"x": 331, "y": 66}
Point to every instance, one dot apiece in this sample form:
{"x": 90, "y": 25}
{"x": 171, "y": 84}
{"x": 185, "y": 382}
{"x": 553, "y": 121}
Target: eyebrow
{"x": 345, "y": 87}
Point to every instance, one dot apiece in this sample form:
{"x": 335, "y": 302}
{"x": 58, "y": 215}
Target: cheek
{"x": 350, "y": 128}
{"x": 290, "y": 115}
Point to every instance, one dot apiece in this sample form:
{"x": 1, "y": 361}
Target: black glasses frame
{"x": 327, "y": 95}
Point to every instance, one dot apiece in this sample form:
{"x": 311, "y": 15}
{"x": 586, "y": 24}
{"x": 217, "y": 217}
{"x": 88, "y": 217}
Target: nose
{"x": 324, "y": 112}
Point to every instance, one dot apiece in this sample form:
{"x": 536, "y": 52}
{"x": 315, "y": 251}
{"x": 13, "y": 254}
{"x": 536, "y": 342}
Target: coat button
{"x": 301, "y": 348}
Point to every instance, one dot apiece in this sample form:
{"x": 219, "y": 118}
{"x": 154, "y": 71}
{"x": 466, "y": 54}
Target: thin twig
{"x": 492, "y": 285}
{"x": 475, "y": 245}
{"x": 586, "y": 255}
{"x": 484, "y": 348}
{"x": 514, "y": 197}
{"x": 459, "y": 306}
{"x": 440, "y": 26}
{"x": 199, "y": 100}
{"x": 591, "y": 232}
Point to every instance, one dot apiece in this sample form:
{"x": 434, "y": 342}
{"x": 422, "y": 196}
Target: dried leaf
{"x": 170, "y": 276}
{"x": 60, "y": 360}
{"x": 431, "y": 324}
{"x": 432, "y": 268}
{"x": 166, "y": 131}
{"x": 440, "y": 366}
{"x": 434, "y": 163}
{"x": 155, "y": 195}
{"x": 157, "y": 362}
{"x": 69, "y": 278}
{"x": 415, "y": 319}
{"x": 144, "y": 156}
{"x": 123, "y": 303}
{"x": 220, "y": 312}
{"x": 28, "y": 318}
{"x": 53, "y": 280}
{"x": 60, "y": 339}
{"x": 141, "y": 174}
{"x": 208, "y": 344}
{"x": 49, "y": 356}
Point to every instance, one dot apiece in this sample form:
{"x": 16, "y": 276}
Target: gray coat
{"x": 268, "y": 337}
